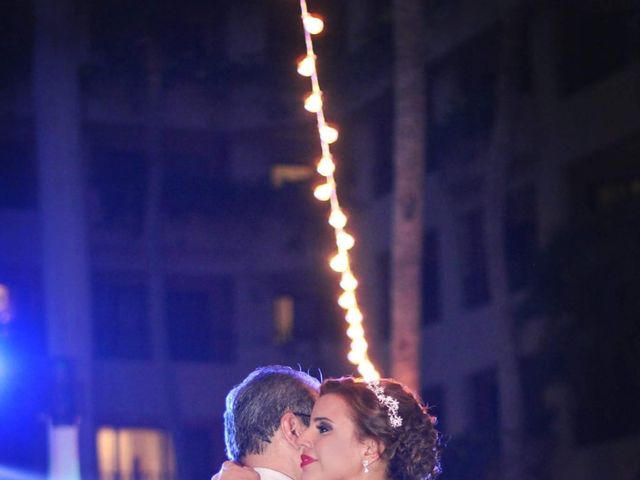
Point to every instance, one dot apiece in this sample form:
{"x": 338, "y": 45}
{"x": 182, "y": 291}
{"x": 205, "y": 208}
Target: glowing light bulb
{"x": 339, "y": 262}
{"x": 359, "y": 345}
{"x": 344, "y": 240}
{"x": 355, "y": 357}
{"x": 323, "y": 192}
{"x": 347, "y": 300}
{"x": 368, "y": 371}
{"x": 328, "y": 134}
{"x": 337, "y": 219}
{"x": 355, "y": 331}
{"x": 354, "y": 315}
{"x": 307, "y": 66}
{"x": 348, "y": 282}
{"x": 326, "y": 166}
{"x": 313, "y": 103}
{"x": 313, "y": 24}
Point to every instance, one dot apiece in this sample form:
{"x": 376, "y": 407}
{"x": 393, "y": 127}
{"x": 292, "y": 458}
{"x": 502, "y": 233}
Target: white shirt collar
{"x": 269, "y": 474}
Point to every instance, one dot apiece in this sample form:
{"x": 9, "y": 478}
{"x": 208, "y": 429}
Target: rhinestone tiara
{"x": 391, "y": 403}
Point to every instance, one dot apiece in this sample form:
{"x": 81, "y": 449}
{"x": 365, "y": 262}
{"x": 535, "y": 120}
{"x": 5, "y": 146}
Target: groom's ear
{"x": 291, "y": 427}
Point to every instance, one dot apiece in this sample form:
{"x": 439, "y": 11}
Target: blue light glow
{"x": 4, "y": 368}
{"x": 7, "y": 473}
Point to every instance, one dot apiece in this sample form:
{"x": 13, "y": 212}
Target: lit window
{"x": 5, "y": 304}
{"x": 283, "y": 318}
{"x": 135, "y": 453}
{"x": 281, "y": 174}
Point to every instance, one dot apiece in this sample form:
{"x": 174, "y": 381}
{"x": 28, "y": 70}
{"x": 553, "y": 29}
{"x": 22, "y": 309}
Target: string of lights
{"x": 327, "y": 192}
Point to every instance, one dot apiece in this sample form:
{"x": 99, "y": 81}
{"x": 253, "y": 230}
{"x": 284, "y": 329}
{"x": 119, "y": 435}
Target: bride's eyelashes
{"x": 323, "y": 427}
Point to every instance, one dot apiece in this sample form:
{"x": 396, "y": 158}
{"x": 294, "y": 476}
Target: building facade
{"x": 159, "y": 239}
{"x": 532, "y": 130}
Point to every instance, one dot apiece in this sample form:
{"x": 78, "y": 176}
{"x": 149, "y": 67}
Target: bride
{"x": 369, "y": 430}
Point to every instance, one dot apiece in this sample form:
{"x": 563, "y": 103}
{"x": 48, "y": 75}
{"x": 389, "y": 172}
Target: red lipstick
{"x": 306, "y": 460}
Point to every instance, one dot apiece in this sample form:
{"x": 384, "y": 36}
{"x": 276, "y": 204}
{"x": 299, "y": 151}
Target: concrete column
{"x": 65, "y": 261}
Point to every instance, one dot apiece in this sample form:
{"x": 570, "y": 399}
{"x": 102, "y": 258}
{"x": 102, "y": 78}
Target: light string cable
{"x": 327, "y": 192}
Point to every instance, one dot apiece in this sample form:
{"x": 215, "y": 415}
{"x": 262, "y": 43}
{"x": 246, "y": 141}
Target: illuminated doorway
{"x": 135, "y": 454}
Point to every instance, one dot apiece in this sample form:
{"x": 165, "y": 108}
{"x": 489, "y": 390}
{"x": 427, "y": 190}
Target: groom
{"x": 264, "y": 415}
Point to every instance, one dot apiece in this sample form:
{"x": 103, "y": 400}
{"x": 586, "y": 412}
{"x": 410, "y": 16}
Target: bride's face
{"x": 330, "y": 447}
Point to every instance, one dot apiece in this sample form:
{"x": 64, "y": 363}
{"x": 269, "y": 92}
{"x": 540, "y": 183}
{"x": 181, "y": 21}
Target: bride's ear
{"x": 291, "y": 427}
{"x": 372, "y": 450}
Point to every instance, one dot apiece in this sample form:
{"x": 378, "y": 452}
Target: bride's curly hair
{"x": 413, "y": 449}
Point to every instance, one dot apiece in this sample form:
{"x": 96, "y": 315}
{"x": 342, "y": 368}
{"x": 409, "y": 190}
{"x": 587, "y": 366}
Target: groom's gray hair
{"x": 255, "y": 406}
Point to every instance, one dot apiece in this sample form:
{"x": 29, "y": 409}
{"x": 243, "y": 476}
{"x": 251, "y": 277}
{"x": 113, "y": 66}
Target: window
{"x": 596, "y": 38}
{"x": 305, "y": 308}
{"x": 538, "y": 413}
{"x": 16, "y": 42}
{"x": 616, "y": 194}
{"x": 120, "y": 313}
{"x": 430, "y": 278}
{"x": 373, "y": 53}
{"x": 524, "y": 59}
{"x": 188, "y": 34}
{"x": 382, "y": 123}
{"x": 199, "y": 319}
{"x": 5, "y": 305}
{"x": 520, "y": 233}
{"x": 485, "y": 404}
{"x": 197, "y": 184}
{"x": 374, "y": 127}
{"x": 440, "y": 10}
{"x": 120, "y": 178}
{"x": 461, "y": 100}
{"x": 597, "y": 256}
{"x": 475, "y": 287}
{"x": 134, "y": 453}
{"x": 289, "y": 173}
{"x": 283, "y": 318}
{"x": 18, "y": 176}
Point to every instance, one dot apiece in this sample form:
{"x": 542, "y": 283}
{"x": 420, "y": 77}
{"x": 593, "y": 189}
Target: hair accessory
{"x": 365, "y": 465}
{"x": 391, "y": 403}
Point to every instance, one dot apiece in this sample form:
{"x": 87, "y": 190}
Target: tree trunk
{"x": 408, "y": 192}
